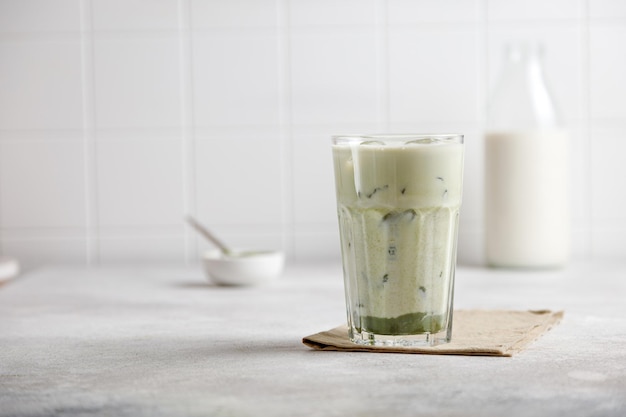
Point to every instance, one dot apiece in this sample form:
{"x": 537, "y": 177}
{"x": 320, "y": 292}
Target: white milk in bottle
{"x": 526, "y": 170}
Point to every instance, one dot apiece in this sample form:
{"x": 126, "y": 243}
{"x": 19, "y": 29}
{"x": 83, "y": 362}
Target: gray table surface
{"x": 160, "y": 341}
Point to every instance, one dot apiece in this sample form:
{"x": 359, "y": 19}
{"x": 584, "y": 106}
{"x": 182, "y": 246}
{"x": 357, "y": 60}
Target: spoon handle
{"x": 204, "y": 232}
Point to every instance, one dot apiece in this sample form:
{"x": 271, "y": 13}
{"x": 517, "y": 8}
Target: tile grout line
{"x": 484, "y": 52}
{"x": 89, "y": 127}
{"x": 382, "y": 58}
{"x": 483, "y": 103}
{"x": 586, "y": 111}
{"x": 187, "y": 125}
{"x": 1, "y": 228}
{"x": 286, "y": 126}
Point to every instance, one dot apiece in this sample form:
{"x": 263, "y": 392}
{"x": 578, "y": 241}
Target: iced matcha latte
{"x": 398, "y": 199}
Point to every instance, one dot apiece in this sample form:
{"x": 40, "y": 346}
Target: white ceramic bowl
{"x": 247, "y": 268}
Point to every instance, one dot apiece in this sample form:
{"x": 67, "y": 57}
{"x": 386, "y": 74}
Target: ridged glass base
{"x": 423, "y": 339}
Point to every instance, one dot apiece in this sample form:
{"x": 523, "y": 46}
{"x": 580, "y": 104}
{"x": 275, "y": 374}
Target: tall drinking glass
{"x": 398, "y": 200}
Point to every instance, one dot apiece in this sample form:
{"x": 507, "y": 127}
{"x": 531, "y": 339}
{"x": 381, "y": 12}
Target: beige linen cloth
{"x": 474, "y": 332}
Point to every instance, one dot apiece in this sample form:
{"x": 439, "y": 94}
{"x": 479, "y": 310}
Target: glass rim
{"x": 397, "y": 137}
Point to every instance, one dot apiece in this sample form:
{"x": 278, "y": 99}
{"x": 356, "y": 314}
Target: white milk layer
{"x": 526, "y": 198}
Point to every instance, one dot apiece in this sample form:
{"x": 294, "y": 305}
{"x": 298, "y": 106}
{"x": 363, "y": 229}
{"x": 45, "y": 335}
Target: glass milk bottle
{"x": 526, "y": 169}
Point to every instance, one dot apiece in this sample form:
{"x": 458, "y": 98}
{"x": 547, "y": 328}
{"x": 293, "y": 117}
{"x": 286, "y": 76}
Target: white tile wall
{"x": 134, "y": 15}
{"x": 607, "y": 182}
{"x": 426, "y": 12}
{"x": 117, "y": 117}
{"x": 136, "y": 80}
{"x": 434, "y": 74}
{"x": 333, "y": 75}
{"x": 40, "y": 80}
{"x": 207, "y": 14}
{"x": 329, "y": 12}
{"x": 139, "y": 182}
{"x": 607, "y": 178}
{"x": 235, "y": 78}
{"x": 238, "y": 181}
{"x": 39, "y": 16}
{"x": 534, "y": 9}
{"x": 42, "y": 184}
{"x": 607, "y": 68}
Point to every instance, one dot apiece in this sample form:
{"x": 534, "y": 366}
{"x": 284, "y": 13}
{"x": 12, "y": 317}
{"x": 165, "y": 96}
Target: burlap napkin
{"x": 474, "y": 332}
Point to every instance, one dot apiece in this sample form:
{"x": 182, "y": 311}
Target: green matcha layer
{"x": 407, "y": 324}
